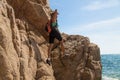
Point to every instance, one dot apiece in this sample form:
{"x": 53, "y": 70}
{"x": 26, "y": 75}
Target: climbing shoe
{"x": 65, "y": 55}
{"x": 48, "y": 61}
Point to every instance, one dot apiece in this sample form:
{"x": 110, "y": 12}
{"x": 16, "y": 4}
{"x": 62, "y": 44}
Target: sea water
{"x": 110, "y": 67}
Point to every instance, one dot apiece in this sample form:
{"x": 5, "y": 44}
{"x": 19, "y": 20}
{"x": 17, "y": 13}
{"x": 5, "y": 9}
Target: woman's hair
{"x": 52, "y": 14}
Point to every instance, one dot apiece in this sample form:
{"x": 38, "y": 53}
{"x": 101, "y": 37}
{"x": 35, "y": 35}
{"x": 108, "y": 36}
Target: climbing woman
{"x": 54, "y": 33}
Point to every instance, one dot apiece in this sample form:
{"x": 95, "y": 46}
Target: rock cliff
{"x": 23, "y": 46}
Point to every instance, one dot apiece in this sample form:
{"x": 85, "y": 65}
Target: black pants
{"x": 54, "y": 34}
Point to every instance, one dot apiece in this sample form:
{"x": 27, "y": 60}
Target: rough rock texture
{"x": 23, "y": 46}
{"x": 81, "y": 62}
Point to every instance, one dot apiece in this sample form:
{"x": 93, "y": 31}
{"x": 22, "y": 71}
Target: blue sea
{"x": 110, "y": 67}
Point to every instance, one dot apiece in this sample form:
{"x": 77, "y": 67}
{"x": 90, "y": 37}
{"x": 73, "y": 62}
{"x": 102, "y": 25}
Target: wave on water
{"x": 109, "y": 78}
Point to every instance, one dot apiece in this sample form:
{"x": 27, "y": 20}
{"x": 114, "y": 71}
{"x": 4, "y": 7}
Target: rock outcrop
{"x": 23, "y": 46}
{"x": 81, "y": 62}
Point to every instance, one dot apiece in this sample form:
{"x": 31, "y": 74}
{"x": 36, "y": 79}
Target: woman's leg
{"x": 49, "y": 50}
{"x": 62, "y": 47}
{"x": 59, "y": 37}
{"x": 49, "y": 54}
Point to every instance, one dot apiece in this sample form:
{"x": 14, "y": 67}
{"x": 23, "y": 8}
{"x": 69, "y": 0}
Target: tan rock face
{"x": 82, "y": 61}
{"x": 23, "y": 46}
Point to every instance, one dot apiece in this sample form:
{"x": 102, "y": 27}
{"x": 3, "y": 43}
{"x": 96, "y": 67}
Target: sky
{"x": 97, "y": 19}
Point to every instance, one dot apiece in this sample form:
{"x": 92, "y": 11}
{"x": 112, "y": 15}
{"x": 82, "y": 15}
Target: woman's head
{"x": 54, "y": 14}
